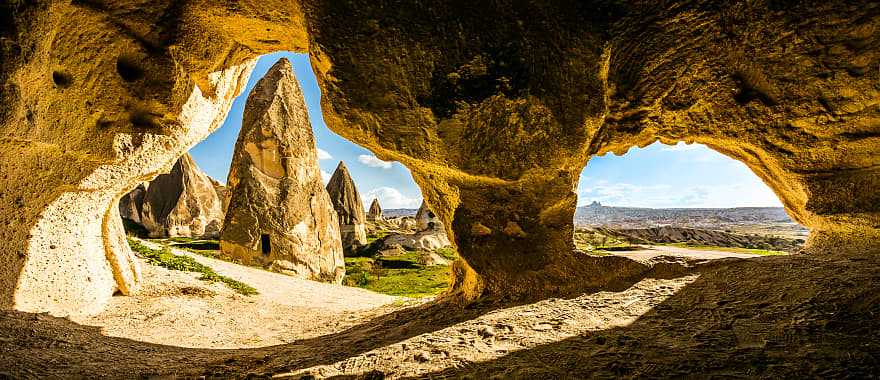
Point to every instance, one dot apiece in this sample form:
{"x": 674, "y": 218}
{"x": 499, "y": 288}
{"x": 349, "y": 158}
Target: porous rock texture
{"x": 182, "y": 202}
{"x": 279, "y": 214}
{"x": 98, "y": 96}
{"x": 426, "y": 219}
{"x": 494, "y": 106}
{"x": 497, "y": 116}
{"x": 375, "y": 213}
{"x": 349, "y": 208}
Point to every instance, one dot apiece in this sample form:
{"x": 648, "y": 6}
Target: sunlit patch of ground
{"x": 180, "y": 308}
{"x": 505, "y": 331}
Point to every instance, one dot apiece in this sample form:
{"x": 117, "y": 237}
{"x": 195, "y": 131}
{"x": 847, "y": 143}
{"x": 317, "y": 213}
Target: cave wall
{"x": 98, "y": 96}
{"x": 496, "y": 115}
{"x": 495, "y": 106}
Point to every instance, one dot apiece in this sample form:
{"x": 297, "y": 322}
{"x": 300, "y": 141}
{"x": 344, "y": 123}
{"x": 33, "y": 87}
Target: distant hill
{"x": 738, "y": 218}
{"x": 399, "y": 212}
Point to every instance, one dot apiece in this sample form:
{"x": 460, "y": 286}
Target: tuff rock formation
{"x": 132, "y": 204}
{"x": 494, "y": 106}
{"x": 279, "y": 214}
{"x": 375, "y": 213}
{"x": 180, "y": 203}
{"x": 426, "y": 220}
{"x": 349, "y": 208}
{"x": 428, "y": 240}
{"x": 429, "y": 235}
{"x": 222, "y": 193}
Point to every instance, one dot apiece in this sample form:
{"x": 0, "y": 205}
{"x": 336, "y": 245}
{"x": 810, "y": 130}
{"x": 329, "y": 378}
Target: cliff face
{"x": 495, "y": 117}
{"x": 349, "y": 208}
{"x": 279, "y": 214}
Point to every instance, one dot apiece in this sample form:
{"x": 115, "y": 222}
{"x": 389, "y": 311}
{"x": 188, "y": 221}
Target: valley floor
{"x": 771, "y": 317}
{"x": 175, "y": 308}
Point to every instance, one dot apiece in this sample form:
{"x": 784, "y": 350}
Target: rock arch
{"x": 495, "y": 117}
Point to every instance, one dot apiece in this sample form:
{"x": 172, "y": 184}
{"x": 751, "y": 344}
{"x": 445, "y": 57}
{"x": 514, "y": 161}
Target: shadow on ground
{"x": 775, "y": 316}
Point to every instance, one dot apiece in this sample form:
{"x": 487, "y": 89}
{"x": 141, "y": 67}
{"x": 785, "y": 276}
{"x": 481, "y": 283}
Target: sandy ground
{"x": 175, "y": 308}
{"x": 766, "y": 317}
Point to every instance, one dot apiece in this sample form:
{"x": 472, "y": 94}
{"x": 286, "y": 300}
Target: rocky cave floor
{"x": 779, "y": 316}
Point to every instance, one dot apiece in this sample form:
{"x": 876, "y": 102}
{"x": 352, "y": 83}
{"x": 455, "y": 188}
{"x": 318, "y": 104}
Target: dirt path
{"x": 175, "y": 308}
{"x": 653, "y": 251}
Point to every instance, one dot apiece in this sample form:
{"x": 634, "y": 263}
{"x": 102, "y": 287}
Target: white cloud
{"x": 323, "y": 154}
{"x": 666, "y": 196}
{"x": 325, "y": 177}
{"x": 373, "y": 161}
{"x": 390, "y": 197}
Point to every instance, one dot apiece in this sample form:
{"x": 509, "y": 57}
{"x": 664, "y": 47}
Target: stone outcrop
{"x": 426, "y": 220}
{"x": 132, "y": 204}
{"x": 429, "y": 235}
{"x": 279, "y": 214}
{"x": 495, "y": 107}
{"x": 182, "y": 202}
{"x": 419, "y": 241}
{"x": 222, "y": 193}
{"x": 349, "y": 208}
{"x": 375, "y": 213}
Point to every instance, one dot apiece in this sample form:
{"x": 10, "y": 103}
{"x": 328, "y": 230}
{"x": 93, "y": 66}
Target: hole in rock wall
{"x": 682, "y": 200}
{"x": 61, "y": 79}
{"x": 265, "y": 244}
{"x": 274, "y": 191}
{"x": 129, "y": 68}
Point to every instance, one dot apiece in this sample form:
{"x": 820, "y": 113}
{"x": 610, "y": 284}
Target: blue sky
{"x": 656, "y": 176}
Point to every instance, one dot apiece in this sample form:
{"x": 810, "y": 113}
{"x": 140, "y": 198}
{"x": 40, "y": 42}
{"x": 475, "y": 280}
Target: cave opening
{"x": 359, "y": 221}
{"x": 682, "y": 199}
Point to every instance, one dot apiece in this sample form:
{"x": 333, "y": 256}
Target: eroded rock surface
{"x": 349, "y": 208}
{"x": 180, "y": 203}
{"x": 375, "y": 213}
{"x": 279, "y": 214}
{"x": 497, "y": 116}
{"x": 132, "y": 204}
{"x": 495, "y": 107}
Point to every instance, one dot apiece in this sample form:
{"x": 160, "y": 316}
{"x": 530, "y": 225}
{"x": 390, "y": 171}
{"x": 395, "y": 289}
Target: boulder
{"x": 392, "y": 251}
{"x": 349, "y": 208}
{"x": 182, "y": 202}
{"x": 279, "y": 214}
{"x": 430, "y": 259}
{"x": 423, "y": 240}
{"x": 375, "y": 213}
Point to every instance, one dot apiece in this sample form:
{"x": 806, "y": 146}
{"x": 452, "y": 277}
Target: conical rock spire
{"x": 279, "y": 214}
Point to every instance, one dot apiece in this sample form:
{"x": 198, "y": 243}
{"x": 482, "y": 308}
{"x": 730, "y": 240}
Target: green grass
{"x": 753, "y": 251}
{"x": 407, "y": 279}
{"x": 376, "y": 235}
{"x": 166, "y": 259}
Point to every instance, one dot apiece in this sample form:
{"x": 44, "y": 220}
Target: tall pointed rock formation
{"x": 349, "y": 208}
{"x": 375, "y": 213}
{"x": 180, "y": 203}
{"x": 279, "y": 214}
